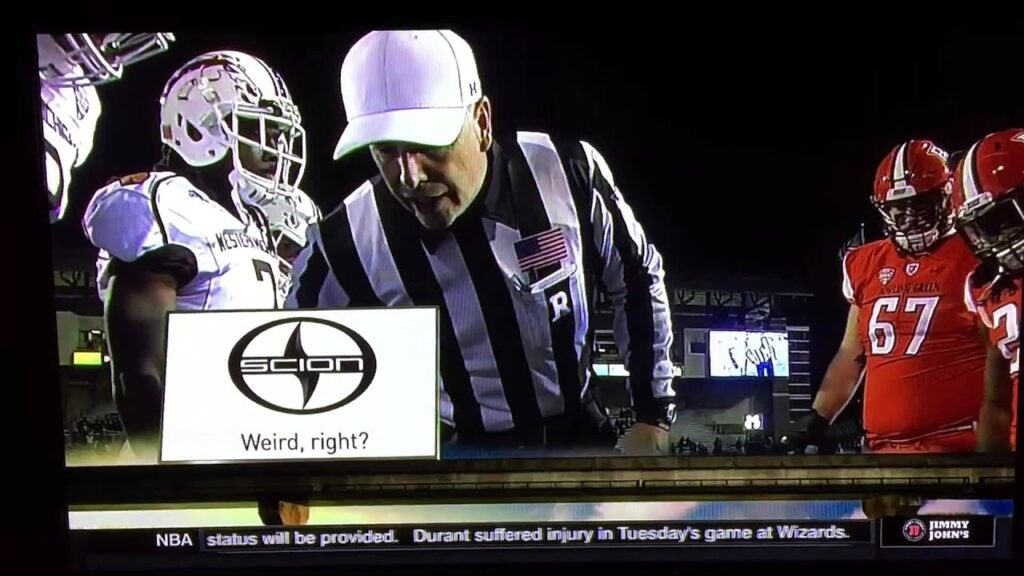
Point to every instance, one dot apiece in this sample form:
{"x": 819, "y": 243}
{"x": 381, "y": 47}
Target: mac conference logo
{"x": 302, "y": 365}
{"x": 914, "y": 530}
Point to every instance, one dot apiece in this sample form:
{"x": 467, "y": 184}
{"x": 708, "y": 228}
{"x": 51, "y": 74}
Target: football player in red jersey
{"x": 906, "y": 331}
{"x": 988, "y": 201}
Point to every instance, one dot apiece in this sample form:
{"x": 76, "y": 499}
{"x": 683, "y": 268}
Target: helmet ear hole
{"x": 193, "y": 133}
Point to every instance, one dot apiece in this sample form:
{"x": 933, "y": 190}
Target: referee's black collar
{"x": 498, "y": 204}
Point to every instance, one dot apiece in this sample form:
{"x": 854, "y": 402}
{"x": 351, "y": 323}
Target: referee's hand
{"x": 645, "y": 440}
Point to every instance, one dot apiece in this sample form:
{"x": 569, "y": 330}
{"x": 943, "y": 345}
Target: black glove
{"x": 811, "y": 430}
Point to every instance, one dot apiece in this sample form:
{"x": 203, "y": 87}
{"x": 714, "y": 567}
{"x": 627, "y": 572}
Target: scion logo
{"x": 302, "y": 365}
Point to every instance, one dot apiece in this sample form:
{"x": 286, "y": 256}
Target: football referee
{"x": 510, "y": 238}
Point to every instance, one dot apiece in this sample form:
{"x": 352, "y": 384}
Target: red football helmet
{"x": 988, "y": 198}
{"x": 912, "y": 192}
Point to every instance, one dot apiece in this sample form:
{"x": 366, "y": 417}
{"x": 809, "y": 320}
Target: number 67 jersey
{"x": 925, "y": 357}
{"x": 234, "y": 263}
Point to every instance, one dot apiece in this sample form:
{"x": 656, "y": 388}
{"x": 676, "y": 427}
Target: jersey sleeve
{"x": 969, "y": 301}
{"x": 850, "y": 259}
{"x": 134, "y": 218}
{"x": 634, "y": 282}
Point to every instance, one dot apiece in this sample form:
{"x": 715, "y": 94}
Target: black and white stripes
{"x": 512, "y": 353}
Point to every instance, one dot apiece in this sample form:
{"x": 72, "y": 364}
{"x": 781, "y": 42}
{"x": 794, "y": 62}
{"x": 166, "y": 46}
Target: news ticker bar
{"x": 917, "y": 532}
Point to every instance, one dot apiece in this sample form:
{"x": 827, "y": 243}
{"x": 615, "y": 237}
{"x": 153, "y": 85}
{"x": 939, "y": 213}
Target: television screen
{"x": 434, "y": 290}
{"x": 752, "y": 354}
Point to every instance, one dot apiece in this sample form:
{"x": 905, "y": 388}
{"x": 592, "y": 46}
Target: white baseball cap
{"x": 410, "y": 86}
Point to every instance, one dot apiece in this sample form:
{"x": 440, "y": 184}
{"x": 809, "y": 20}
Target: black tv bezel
{"x": 41, "y": 506}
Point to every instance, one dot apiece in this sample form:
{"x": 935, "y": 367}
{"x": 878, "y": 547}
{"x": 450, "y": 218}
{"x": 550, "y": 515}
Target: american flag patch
{"x": 541, "y": 250}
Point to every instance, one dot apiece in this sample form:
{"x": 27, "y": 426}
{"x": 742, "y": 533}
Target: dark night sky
{"x": 748, "y": 151}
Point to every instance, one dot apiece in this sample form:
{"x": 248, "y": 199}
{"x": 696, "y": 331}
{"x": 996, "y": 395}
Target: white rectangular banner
{"x": 748, "y": 354}
{"x": 301, "y": 385}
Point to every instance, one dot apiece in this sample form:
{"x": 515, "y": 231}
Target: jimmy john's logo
{"x": 945, "y": 531}
{"x": 302, "y": 365}
{"x": 914, "y": 530}
{"x": 948, "y": 531}
{"x": 885, "y": 275}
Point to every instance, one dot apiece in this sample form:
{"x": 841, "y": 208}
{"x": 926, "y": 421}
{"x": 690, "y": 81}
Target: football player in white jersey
{"x": 70, "y": 68}
{"x": 190, "y": 235}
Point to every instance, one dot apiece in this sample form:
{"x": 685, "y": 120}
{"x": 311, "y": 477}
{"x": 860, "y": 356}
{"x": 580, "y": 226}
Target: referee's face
{"x": 438, "y": 184}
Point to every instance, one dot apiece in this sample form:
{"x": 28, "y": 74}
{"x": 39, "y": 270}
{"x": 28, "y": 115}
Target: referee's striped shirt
{"x": 515, "y": 346}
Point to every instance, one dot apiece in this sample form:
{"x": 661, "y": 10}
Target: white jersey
{"x": 236, "y": 267}
{"x": 69, "y": 116}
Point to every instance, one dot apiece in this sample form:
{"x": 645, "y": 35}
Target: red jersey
{"x": 925, "y": 361}
{"x": 1001, "y": 315}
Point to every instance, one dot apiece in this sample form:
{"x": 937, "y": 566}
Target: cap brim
{"x": 421, "y": 126}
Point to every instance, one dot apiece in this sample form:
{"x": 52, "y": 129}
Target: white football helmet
{"x": 91, "y": 59}
{"x": 229, "y": 102}
{"x": 289, "y": 219}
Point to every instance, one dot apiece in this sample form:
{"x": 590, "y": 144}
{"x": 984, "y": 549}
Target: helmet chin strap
{"x": 239, "y": 193}
{"x": 927, "y": 238}
{"x": 258, "y": 197}
{"x": 920, "y": 244}
{"x": 249, "y": 192}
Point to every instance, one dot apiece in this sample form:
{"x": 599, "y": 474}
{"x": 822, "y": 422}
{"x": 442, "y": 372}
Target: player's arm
{"x": 151, "y": 254}
{"x": 843, "y": 372}
{"x": 140, "y": 295}
{"x": 633, "y": 280}
{"x": 996, "y": 408}
{"x": 839, "y": 383}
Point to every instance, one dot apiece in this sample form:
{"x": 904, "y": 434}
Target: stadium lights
{"x": 753, "y": 422}
{"x": 620, "y": 370}
{"x": 86, "y": 358}
{"x": 610, "y": 370}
